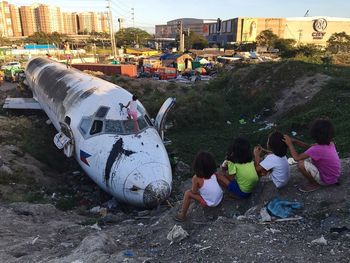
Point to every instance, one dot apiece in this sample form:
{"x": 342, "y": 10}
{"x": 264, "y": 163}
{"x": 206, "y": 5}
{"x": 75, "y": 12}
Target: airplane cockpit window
{"x": 142, "y": 123}
{"x": 102, "y": 112}
{"x": 96, "y": 127}
{"x": 113, "y": 126}
{"x": 85, "y": 125}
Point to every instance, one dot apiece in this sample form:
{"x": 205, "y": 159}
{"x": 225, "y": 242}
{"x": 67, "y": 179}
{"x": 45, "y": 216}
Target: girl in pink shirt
{"x": 324, "y": 168}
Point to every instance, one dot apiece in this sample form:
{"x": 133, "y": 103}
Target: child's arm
{"x": 300, "y": 143}
{"x": 296, "y": 156}
{"x": 127, "y": 105}
{"x": 195, "y": 184}
{"x": 259, "y": 169}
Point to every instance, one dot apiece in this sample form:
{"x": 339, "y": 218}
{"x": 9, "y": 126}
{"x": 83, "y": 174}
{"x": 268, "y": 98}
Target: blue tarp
{"x": 282, "y": 208}
{"x": 169, "y": 56}
{"x": 32, "y": 46}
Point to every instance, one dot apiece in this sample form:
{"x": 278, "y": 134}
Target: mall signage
{"x": 319, "y": 26}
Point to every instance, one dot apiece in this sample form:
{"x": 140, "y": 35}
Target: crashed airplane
{"x": 95, "y": 129}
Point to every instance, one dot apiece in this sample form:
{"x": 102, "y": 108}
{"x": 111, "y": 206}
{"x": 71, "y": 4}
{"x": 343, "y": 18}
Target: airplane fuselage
{"x": 134, "y": 168}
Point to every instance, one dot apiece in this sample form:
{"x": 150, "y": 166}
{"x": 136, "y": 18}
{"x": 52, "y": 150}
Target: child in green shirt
{"x": 238, "y": 171}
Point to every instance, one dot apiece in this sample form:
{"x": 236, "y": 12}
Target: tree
{"x": 338, "y": 42}
{"x": 131, "y": 36}
{"x": 286, "y": 47}
{"x": 266, "y": 38}
{"x": 43, "y": 38}
{"x": 196, "y": 41}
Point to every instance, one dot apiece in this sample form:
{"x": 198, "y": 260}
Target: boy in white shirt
{"x": 275, "y": 163}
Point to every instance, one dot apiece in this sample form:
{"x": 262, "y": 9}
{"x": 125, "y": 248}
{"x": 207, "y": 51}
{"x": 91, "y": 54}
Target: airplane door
{"x": 159, "y": 122}
{"x": 65, "y": 140}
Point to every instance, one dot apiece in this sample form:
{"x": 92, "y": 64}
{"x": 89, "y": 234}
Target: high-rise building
{"x": 93, "y": 22}
{"x": 6, "y": 29}
{"x": 102, "y": 20}
{"x": 28, "y": 20}
{"x": 85, "y": 22}
{"x": 16, "y": 21}
{"x": 70, "y": 24}
{"x": 49, "y": 19}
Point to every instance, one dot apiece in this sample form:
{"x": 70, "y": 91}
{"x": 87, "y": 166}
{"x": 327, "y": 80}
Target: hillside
{"x": 45, "y": 200}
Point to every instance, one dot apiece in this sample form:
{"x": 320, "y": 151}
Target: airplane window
{"x": 129, "y": 126}
{"x": 113, "y": 126}
{"x": 142, "y": 123}
{"x": 102, "y": 112}
{"x": 96, "y": 127}
{"x": 85, "y": 125}
{"x": 67, "y": 120}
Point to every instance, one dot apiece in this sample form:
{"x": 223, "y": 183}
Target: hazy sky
{"x": 151, "y": 12}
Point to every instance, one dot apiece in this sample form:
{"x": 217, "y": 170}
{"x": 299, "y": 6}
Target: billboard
{"x": 249, "y": 29}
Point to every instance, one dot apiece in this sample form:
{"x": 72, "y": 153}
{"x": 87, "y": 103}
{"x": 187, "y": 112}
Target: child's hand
{"x": 257, "y": 150}
{"x": 287, "y": 140}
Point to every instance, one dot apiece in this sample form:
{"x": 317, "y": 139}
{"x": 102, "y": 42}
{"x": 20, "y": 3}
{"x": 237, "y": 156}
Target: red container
{"x": 107, "y": 69}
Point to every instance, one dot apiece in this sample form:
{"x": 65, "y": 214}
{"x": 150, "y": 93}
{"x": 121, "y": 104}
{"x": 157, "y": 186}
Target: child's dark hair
{"x": 134, "y": 97}
{"x": 204, "y": 165}
{"x": 277, "y": 145}
{"x": 239, "y": 151}
{"x": 322, "y": 131}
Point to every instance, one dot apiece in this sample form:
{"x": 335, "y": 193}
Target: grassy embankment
{"x": 202, "y": 111}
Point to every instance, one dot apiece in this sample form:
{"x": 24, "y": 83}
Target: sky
{"x": 148, "y": 13}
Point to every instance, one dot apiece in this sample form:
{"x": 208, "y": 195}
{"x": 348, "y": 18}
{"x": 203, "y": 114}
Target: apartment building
{"x": 70, "y": 23}
{"x": 6, "y": 29}
{"x": 93, "y": 22}
{"x": 28, "y": 20}
{"x": 49, "y": 19}
{"x": 16, "y": 21}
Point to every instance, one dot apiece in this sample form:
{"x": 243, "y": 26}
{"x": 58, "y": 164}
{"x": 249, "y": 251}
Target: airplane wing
{"x": 21, "y": 103}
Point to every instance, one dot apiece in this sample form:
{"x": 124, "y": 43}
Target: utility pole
{"x": 182, "y": 38}
{"x": 111, "y": 30}
{"x": 133, "y": 17}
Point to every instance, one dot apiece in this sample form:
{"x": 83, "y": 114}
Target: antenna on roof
{"x": 307, "y": 13}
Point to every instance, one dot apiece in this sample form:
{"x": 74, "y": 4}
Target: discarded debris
{"x": 321, "y": 241}
{"x": 34, "y": 240}
{"x": 95, "y": 226}
{"x": 128, "y": 253}
{"x": 282, "y": 208}
{"x": 95, "y": 210}
{"x": 265, "y": 217}
{"x": 177, "y": 234}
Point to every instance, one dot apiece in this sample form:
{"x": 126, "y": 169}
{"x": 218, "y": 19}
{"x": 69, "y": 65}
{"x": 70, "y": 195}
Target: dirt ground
{"x": 40, "y": 228}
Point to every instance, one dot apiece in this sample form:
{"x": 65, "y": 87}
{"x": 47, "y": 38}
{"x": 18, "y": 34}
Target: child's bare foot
{"x": 180, "y": 217}
{"x": 309, "y": 188}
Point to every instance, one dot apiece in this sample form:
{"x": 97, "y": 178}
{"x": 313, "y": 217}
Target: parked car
{"x": 12, "y": 64}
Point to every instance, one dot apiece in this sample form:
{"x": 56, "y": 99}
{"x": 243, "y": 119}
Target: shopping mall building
{"x": 304, "y": 30}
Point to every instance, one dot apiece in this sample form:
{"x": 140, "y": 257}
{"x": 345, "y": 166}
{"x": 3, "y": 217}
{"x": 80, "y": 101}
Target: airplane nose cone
{"x": 155, "y": 193}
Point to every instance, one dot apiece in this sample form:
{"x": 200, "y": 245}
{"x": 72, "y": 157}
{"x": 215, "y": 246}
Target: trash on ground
{"x": 265, "y": 216}
{"x": 321, "y": 241}
{"x": 291, "y": 161}
{"x": 282, "y": 208}
{"x": 177, "y": 234}
{"x": 95, "y": 226}
{"x": 268, "y": 126}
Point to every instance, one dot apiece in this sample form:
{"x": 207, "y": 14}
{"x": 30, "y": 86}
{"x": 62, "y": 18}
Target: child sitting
{"x": 239, "y": 176}
{"x": 275, "y": 163}
{"x": 324, "y": 168}
{"x": 205, "y": 187}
